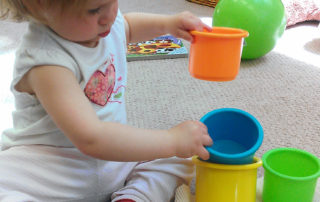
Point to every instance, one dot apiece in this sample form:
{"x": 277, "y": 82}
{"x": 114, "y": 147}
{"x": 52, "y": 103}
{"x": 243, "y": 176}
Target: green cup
{"x": 290, "y": 175}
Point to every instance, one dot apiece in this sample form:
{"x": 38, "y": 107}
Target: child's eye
{"x": 94, "y": 11}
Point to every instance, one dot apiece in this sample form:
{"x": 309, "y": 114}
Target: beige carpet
{"x": 281, "y": 89}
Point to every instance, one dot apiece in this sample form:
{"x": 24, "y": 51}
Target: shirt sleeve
{"x": 29, "y": 58}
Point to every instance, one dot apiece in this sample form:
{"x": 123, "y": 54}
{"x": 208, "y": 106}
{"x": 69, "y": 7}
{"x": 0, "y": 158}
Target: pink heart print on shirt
{"x": 100, "y": 86}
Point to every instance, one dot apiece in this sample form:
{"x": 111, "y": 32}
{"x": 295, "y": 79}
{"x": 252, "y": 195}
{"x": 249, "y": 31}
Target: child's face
{"x": 86, "y": 30}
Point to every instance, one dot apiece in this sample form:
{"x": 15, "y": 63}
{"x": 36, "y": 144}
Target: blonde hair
{"x": 17, "y": 11}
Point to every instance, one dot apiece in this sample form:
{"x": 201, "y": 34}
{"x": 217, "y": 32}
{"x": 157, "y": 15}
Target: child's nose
{"x": 104, "y": 20}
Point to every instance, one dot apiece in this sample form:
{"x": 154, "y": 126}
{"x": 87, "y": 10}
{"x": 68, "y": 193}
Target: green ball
{"x": 263, "y": 19}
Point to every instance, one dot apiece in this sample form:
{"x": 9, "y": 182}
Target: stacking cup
{"x": 236, "y": 136}
{"x": 290, "y": 175}
{"x": 215, "y": 55}
{"x": 226, "y": 183}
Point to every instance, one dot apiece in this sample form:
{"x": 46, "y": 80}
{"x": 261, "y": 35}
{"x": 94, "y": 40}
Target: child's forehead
{"x": 99, "y": 2}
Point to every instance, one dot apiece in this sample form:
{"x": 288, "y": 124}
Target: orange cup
{"x": 215, "y": 55}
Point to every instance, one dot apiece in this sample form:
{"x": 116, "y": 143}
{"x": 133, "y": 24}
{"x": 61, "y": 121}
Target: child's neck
{"x": 89, "y": 44}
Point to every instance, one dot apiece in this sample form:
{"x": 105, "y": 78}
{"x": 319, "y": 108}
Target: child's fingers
{"x": 185, "y": 35}
{"x": 198, "y": 25}
{"x": 207, "y": 27}
{"x": 206, "y": 140}
{"x": 204, "y": 127}
{"x": 203, "y": 154}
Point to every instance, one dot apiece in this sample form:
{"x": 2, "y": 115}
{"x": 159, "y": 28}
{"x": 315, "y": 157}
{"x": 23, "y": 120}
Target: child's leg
{"x": 50, "y": 174}
{"x": 156, "y": 180}
{"x": 12, "y": 196}
{"x": 46, "y": 173}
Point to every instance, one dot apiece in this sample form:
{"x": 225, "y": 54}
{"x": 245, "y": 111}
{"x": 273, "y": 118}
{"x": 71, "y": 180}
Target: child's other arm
{"x": 60, "y": 94}
{"x": 145, "y": 26}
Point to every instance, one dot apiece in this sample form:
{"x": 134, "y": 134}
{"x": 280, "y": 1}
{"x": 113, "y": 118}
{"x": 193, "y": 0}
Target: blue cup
{"x": 236, "y": 134}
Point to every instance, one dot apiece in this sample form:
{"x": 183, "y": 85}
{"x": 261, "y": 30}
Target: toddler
{"x": 69, "y": 140}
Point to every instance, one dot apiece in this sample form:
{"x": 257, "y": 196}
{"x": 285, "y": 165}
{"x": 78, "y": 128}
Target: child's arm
{"x": 145, "y": 26}
{"x": 60, "y": 94}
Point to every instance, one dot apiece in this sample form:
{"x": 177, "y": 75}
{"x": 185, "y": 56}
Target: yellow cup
{"x": 226, "y": 183}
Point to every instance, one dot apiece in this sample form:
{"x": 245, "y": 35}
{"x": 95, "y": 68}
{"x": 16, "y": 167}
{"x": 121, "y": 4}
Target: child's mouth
{"x": 104, "y": 34}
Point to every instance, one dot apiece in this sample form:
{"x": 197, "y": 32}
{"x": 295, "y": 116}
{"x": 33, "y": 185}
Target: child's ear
{"x": 41, "y": 5}
{"x": 33, "y": 4}
{"x": 40, "y": 2}
{"x": 36, "y": 9}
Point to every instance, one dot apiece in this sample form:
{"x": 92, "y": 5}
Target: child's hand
{"x": 190, "y": 137}
{"x": 181, "y": 24}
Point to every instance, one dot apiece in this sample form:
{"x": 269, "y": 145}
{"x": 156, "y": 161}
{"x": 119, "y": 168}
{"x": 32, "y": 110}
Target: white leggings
{"x": 44, "y": 173}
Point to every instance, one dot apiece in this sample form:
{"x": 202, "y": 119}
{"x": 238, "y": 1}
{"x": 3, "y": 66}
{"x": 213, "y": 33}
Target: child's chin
{"x": 91, "y": 43}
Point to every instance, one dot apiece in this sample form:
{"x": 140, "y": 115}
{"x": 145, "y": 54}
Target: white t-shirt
{"x": 100, "y": 71}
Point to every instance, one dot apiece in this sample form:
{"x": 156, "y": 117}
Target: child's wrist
{"x": 167, "y": 23}
{"x": 171, "y": 142}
